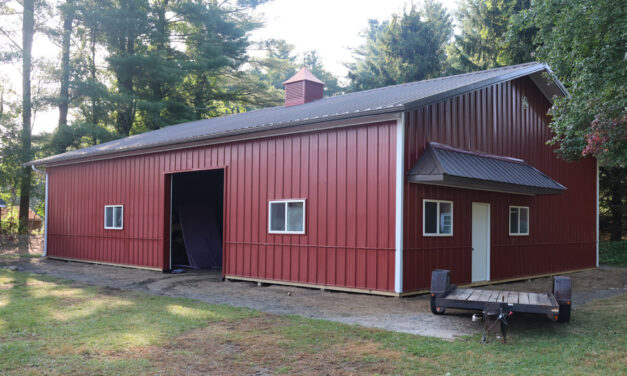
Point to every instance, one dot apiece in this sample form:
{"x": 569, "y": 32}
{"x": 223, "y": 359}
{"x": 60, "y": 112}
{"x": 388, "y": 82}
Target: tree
{"x": 312, "y": 61}
{"x": 613, "y": 200}
{"x": 482, "y": 43}
{"x": 67, "y": 11}
{"x": 584, "y": 44}
{"x": 28, "y": 30}
{"x": 410, "y": 47}
{"x": 10, "y": 146}
{"x": 369, "y": 71}
{"x": 280, "y": 63}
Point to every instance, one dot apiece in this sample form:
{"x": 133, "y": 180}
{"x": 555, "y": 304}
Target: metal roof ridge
{"x": 437, "y": 145}
{"x": 510, "y": 67}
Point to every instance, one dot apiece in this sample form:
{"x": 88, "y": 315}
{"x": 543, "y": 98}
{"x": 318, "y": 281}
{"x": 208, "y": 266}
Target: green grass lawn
{"x": 52, "y": 326}
{"x": 13, "y": 255}
{"x": 613, "y": 253}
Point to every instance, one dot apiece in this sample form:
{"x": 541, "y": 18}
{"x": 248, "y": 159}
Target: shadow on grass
{"x": 594, "y": 342}
{"x": 51, "y": 325}
{"x": 47, "y": 322}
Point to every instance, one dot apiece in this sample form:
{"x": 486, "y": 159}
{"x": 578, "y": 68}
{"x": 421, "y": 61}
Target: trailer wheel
{"x": 564, "y": 315}
{"x": 434, "y": 308}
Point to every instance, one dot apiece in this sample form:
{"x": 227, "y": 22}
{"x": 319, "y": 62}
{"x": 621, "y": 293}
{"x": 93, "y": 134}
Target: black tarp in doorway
{"x": 201, "y": 233}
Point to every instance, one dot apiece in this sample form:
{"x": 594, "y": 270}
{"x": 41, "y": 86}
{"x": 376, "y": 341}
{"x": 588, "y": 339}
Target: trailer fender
{"x": 563, "y": 292}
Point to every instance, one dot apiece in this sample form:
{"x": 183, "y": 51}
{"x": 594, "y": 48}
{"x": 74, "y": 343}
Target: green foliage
{"x": 584, "y": 43}
{"x": 280, "y": 63}
{"x": 331, "y": 85}
{"x": 410, "y": 47}
{"x": 139, "y": 65}
{"x": 482, "y": 43}
{"x": 613, "y": 202}
{"x": 613, "y": 253}
{"x": 10, "y": 153}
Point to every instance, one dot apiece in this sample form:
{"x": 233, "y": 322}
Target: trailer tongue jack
{"x": 497, "y": 305}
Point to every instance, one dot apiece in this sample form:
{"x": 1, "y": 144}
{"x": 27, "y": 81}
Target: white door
{"x": 480, "y": 242}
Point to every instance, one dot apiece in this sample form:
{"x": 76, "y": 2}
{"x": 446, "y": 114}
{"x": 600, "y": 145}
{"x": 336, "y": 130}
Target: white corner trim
{"x": 46, "y": 204}
{"x": 400, "y": 182}
{"x": 597, "y": 214}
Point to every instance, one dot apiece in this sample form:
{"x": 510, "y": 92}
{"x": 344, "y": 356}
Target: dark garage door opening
{"x": 196, "y": 226}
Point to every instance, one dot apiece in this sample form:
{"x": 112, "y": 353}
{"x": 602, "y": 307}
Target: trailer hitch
{"x": 493, "y": 316}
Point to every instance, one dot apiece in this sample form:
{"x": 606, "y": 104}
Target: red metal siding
{"x": 562, "y": 228}
{"x": 346, "y": 175}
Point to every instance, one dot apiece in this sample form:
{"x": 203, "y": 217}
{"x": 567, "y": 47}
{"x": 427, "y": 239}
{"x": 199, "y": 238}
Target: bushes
{"x": 613, "y": 253}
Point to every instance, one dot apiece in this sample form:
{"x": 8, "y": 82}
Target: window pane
{"x": 513, "y": 221}
{"x": 117, "y": 217}
{"x": 277, "y": 216}
{"x": 108, "y": 216}
{"x": 446, "y": 218}
{"x": 524, "y": 220}
{"x": 431, "y": 217}
{"x": 295, "y": 218}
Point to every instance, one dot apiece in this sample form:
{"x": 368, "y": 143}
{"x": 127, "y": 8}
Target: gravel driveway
{"x": 409, "y": 315}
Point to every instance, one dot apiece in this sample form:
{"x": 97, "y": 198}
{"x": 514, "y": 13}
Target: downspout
{"x": 45, "y": 211}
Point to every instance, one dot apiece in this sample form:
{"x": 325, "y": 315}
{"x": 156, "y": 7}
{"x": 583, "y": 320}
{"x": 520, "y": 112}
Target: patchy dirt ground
{"x": 21, "y": 245}
{"x": 259, "y": 348}
{"x": 409, "y": 315}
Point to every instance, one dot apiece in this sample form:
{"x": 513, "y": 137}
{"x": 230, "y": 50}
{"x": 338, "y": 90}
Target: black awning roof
{"x": 451, "y": 167}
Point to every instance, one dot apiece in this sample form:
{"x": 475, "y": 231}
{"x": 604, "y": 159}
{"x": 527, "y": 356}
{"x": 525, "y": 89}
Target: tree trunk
{"x": 28, "y": 29}
{"x": 125, "y": 75}
{"x": 64, "y": 93}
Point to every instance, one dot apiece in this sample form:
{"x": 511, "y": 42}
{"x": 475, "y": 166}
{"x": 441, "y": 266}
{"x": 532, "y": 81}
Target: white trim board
{"x": 400, "y": 181}
{"x": 597, "y": 215}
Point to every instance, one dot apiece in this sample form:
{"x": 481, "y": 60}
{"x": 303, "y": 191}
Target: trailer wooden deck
{"x": 515, "y": 301}
{"x": 497, "y": 296}
{"x": 555, "y": 305}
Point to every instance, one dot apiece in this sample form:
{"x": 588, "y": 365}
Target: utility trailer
{"x": 497, "y": 304}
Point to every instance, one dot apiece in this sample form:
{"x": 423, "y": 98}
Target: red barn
{"x": 367, "y": 191}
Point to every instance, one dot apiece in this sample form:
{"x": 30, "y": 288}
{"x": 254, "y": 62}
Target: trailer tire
{"x": 434, "y": 309}
{"x": 564, "y": 315}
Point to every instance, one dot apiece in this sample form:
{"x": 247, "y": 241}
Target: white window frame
{"x": 509, "y": 215}
{"x": 270, "y": 202}
{"x": 122, "y": 219}
{"x": 424, "y": 222}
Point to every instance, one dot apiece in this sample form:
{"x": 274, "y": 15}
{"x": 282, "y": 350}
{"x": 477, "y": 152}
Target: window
{"x": 519, "y": 220}
{"x": 437, "y": 218}
{"x": 287, "y": 217}
{"x": 114, "y": 217}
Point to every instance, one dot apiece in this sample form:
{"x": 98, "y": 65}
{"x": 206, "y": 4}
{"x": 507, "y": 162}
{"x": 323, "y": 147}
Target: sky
{"x": 332, "y": 27}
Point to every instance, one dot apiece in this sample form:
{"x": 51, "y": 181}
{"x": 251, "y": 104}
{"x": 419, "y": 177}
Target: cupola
{"x": 302, "y": 88}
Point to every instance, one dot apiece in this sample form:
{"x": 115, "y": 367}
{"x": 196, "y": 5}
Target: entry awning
{"x": 452, "y": 167}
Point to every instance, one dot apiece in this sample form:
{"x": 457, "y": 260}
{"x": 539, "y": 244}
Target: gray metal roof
{"x": 369, "y": 102}
{"x": 448, "y": 166}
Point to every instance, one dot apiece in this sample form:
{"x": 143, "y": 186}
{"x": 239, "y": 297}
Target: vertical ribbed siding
{"x": 491, "y": 120}
{"x": 346, "y": 176}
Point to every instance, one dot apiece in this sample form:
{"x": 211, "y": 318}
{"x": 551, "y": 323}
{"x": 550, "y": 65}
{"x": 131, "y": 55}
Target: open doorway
{"x": 196, "y": 229}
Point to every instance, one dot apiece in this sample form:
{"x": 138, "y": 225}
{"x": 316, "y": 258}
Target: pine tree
{"x": 482, "y": 43}
{"x": 410, "y": 47}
